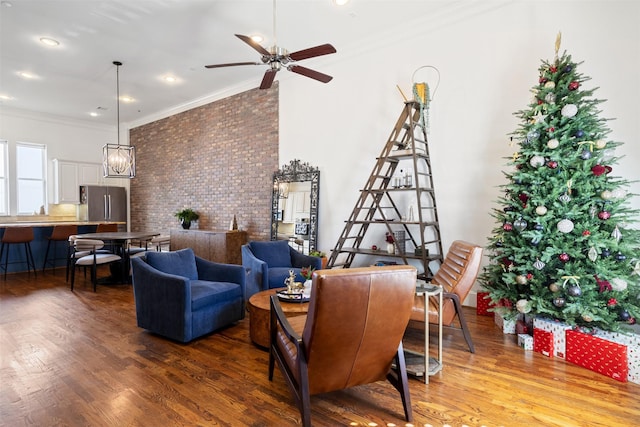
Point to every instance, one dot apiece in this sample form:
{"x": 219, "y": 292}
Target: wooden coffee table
{"x": 260, "y": 312}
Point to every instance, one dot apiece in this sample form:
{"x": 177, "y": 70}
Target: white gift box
{"x": 507, "y": 326}
{"x": 525, "y": 341}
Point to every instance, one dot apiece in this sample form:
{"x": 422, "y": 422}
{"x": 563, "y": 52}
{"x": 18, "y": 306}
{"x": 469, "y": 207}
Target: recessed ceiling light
{"x": 170, "y": 79}
{"x": 26, "y": 75}
{"x": 49, "y": 41}
{"x": 126, "y": 98}
{"x": 340, "y": 2}
{"x": 5, "y": 97}
{"x": 94, "y": 114}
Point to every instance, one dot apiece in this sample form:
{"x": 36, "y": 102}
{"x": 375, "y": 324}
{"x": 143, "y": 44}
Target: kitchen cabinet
{"x": 69, "y": 176}
{"x": 296, "y": 206}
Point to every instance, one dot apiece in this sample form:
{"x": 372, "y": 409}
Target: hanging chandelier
{"x": 118, "y": 161}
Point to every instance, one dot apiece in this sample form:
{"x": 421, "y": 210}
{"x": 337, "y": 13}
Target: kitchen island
{"x": 41, "y": 231}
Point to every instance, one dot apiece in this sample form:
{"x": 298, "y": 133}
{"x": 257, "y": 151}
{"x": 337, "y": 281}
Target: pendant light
{"x": 118, "y": 161}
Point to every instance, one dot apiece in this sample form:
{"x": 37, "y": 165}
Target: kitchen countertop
{"x": 51, "y": 223}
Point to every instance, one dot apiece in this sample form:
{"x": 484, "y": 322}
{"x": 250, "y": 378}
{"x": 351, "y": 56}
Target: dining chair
{"x": 92, "y": 259}
{"x": 351, "y": 335}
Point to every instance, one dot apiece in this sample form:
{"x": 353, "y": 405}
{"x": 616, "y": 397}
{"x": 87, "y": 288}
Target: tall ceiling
{"x": 157, "y": 38}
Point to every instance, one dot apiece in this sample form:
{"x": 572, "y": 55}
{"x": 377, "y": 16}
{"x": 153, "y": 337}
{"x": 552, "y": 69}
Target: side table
{"x": 421, "y": 364}
{"x": 259, "y": 307}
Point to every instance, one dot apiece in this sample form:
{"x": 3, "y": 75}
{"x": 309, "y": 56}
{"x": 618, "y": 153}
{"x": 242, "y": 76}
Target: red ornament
{"x": 529, "y": 276}
{"x": 564, "y": 257}
{"x": 540, "y": 101}
{"x": 603, "y": 284}
{"x": 542, "y": 80}
{"x": 553, "y": 69}
{"x": 523, "y": 197}
{"x": 586, "y": 233}
{"x": 507, "y": 226}
{"x": 604, "y": 215}
{"x": 598, "y": 170}
{"x": 552, "y": 164}
{"x": 612, "y": 302}
{"x": 574, "y": 85}
{"x": 551, "y": 129}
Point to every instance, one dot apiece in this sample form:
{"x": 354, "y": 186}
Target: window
{"x": 31, "y": 177}
{"x": 4, "y": 181}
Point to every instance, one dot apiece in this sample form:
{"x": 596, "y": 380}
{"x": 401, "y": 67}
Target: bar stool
{"x": 13, "y": 235}
{"x": 107, "y": 228}
{"x": 60, "y": 233}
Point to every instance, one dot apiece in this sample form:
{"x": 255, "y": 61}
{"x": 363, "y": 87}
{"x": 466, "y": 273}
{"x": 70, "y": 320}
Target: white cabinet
{"x": 69, "y": 176}
{"x": 296, "y": 206}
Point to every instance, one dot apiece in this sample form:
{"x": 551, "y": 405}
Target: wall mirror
{"x": 294, "y": 205}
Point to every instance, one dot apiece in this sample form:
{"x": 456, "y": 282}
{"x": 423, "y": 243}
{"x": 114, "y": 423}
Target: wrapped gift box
{"x": 525, "y": 341}
{"x": 597, "y": 354}
{"x": 483, "y": 304}
{"x": 558, "y": 330}
{"x": 632, "y": 342}
{"x": 543, "y": 342}
{"x": 507, "y": 326}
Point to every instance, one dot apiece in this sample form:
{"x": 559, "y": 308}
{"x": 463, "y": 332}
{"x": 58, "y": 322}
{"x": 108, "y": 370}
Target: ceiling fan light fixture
{"x": 49, "y": 41}
{"x": 340, "y": 2}
{"x": 118, "y": 161}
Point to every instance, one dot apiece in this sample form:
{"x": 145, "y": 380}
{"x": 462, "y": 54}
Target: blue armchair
{"x": 268, "y": 264}
{"x": 181, "y": 296}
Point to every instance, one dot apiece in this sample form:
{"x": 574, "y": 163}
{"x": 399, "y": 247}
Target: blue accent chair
{"x": 182, "y": 297}
{"x": 268, "y": 264}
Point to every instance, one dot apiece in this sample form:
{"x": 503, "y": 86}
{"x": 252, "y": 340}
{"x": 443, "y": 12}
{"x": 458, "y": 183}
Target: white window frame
{"x": 4, "y": 178}
{"x": 42, "y": 181}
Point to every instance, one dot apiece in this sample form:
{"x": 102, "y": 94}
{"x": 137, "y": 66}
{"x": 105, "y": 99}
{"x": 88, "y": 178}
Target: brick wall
{"x": 217, "y": 159}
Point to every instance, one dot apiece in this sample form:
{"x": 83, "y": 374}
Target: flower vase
{"x": 306, "y": 290}
{"x": 186, "y": 224}
{"x": 391, "y": 248}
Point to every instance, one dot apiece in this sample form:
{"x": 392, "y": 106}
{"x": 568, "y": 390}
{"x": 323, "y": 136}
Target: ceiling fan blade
{"x": 248, "y": 40}
{"x": 310, "y": 73}
{"x": 323, "y": 49}
{"x": 233, "y": 64}
{"x": 268, "y": 78}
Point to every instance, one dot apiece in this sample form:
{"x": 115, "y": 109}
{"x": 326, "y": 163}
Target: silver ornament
{"x": 565, "y": 226}
{"x": 559, "y": 302}
{"x": 539, "y": 265}
{"x": 520, "y": 224}
{"x": 616, "y": 234}
{"x": 541, "y": 210}
{"x": 565, "y": 198}
{"x": 550, "y": 98}
{"x": 536, "y": 161}
{"x": 592, "y": 254}
{"x": 569, "y": 110}
{"x": 553, "y": 144}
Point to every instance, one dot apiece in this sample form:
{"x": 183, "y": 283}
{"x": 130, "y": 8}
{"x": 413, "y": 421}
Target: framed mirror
{"x": 294, "y": 205}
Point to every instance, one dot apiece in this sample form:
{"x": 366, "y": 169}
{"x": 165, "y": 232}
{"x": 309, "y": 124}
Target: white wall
{"x": 66, "y": 139}
{"x": 488, "y": 54}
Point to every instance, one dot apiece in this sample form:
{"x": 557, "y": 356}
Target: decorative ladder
{"x": 397, "y": 203}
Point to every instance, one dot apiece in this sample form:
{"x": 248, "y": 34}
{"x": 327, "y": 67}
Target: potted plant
{"x": 185, "y": 216}
{"x": 320, "y": 254}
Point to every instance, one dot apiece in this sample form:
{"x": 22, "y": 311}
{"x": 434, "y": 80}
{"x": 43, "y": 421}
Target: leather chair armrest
{"x": 279, "y": 318}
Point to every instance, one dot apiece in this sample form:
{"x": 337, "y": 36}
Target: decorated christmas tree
{"x": 564, "y": 246}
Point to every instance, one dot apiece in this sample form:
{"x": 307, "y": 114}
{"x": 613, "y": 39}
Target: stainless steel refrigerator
{"x": 98, "y": 203}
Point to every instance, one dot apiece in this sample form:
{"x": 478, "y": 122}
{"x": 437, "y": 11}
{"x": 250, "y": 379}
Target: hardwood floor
{"x": 78, "y": 359}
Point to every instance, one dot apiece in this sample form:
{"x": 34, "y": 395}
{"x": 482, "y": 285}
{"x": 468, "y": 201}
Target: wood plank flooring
{"x": 78, "y": 359}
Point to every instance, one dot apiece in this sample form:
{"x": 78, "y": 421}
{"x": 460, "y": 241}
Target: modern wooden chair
{"x": 456, "y": 275}
{"x": 92, "y": 259}
{"x": 352, "y": 334}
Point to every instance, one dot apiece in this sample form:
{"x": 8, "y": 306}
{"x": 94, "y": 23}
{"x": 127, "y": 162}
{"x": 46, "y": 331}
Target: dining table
{"x": 118, "y": 240}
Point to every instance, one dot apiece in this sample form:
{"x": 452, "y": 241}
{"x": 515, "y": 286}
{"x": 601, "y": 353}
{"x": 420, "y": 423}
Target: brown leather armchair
{"x": 456, "y": 275}
{"x": 351, "y": 335}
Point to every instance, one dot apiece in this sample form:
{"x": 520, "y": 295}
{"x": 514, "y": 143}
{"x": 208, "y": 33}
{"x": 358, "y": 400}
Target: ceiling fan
{"x": 277, "y": 57}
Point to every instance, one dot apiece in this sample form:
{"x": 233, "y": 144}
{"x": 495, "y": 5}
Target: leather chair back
{"x": 456, "y": 275}
{"x": 62, "y": 232}
{"x": 17, "y": 235}
{"x": 356, "y": 320}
